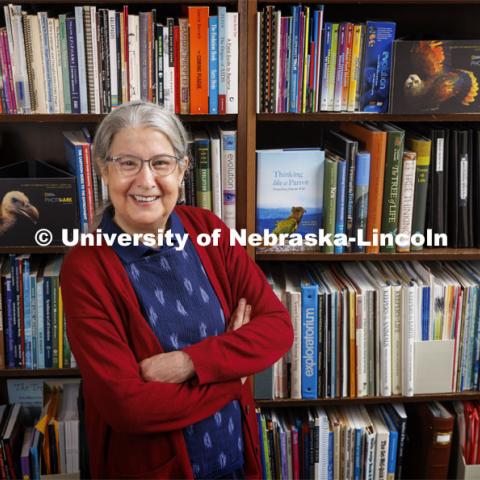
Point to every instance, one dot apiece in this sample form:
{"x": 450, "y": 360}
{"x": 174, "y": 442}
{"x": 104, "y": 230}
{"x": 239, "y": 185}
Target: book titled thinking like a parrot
{"x": 290, "y": 191}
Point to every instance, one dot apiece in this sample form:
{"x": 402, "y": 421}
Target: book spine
{"x": 203, "y": 174}
{"x": 229, "y": 160}
{"x": 406, "y": 199}
{"x": 30, "y": 73}
{"x": 423, "y": 150}
{"x": 329, "y": 200}
{"x": 306, "y": 61}
{"x": 54, "y": 320}
{"x": 43, "y": 21}
{"x": 347, "y": 65}
{"x": 355, "y": 65}
{"x": 362, "y": 178}
{"x": 295, "y": 55}
{"x": 339, "y": 71}
{"x": 94, "y": 30}
{"x": 90, "y": 59}
{"x": 232, "y": 63}
{"x": 150, "y": 57}
{"x": 133, "y": 56}
{"x": 53, "y": 64}
{"x": 176, "y": 66}
{"x": 213, "y": 65}
{"x": 397, "y": 341}
{"x": 309, "y": 340}
{"x": 340, "y": 207}
{"x": 143, "y": 55}
{"x": 73, "y": 65}
{"x": 185, "y": 67}
{"x": 82, "y": 69}
{"x": 112, "y": 49}
{"x": 47, "y": 321}
{"x": 34, "y": 320}
{"x": 27, "y": 307}
{"x": 9, "y": 330}
{"x": 392, "y": 184}
{"x": 332, "y": 67}
{"x": 67, "y": 101}
{"x": 40, "y": 324}
{"x": 122, "y": 59}
{"x": 222, "y": 60}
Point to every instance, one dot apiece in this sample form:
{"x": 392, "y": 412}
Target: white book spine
{"x": 361, "y": 341}
{"x": 45, "y": 47}
{"x": 345, "y": 345}
{"x": 370, "y": 456}
{"x": 397, "y": 340}
{"x": 58, "y": 65}
{"x": 232, "y": 63}
{"x": 406, "y": 200}
{"x": 381, "y": 457}
{"x": 112, "y": 39}
{"x": 229, "y": 160}
{"x": 169, "y": 100}
{"x": 386, "y": 342}
{"x": 134, "y": 56}
{"x": 20, "y": 71}
{"x": 82, "y": 68}
{"x": 38, "y": 75}
{"x": 96, "y": 73}
{"x": 53, "y": 64}
{"x": 296, "y": 355}
{"x": 408, "y": 314}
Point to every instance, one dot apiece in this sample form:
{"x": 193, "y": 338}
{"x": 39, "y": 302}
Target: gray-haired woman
{"x": 165, "y": 337}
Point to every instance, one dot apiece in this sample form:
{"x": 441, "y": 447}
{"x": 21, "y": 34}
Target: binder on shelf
{"x": 433, "y": 359}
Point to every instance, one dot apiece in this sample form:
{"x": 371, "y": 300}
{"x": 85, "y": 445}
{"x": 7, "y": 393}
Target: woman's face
{"x": 142, "y": 202}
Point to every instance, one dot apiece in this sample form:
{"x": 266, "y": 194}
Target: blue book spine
{"x": 213, "y": 64}
{"x": 74, "y": 155}
{"x": 341, "y": 197}
{"x": 262, "y": 446}
{"x": 425, "y": 312}
{"x": 330, "y": 455}
{"x": 309, "y": 340}
{"x": 82, "y": 69}
{"x": 327, "y": 45}
{"x": 360, "y": 209}
{"x": 294, "y": 69}
{"x": 288, "y": 70}
{"x": 40, "y": 325}
{"x": 9, "y": 331}
{"x": 47, "y": 297}
{"x": 73, "y": 64}
{"x": 358, "y": 454}
{"x": 222, "y": 54}
{"x": 33, "y": 313}
{"x": 337, "y": 96}
{"x": 377, "y": 65}
{"x": 27, "y": 313}
{"x": 393, "y": 444}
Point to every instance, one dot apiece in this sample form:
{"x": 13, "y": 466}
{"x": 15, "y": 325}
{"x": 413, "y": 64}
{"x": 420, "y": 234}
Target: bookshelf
{"x": 262, "y": 130}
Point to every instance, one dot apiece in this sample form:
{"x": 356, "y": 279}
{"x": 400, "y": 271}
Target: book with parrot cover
{"x": 436, "y": 76}
{"x": 290, "y": 193}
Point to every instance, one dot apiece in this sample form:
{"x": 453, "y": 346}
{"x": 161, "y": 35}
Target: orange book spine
{"x": 376, "y": 143}
{"x": 198, "y": 24}
{"x": 347, "y": 68}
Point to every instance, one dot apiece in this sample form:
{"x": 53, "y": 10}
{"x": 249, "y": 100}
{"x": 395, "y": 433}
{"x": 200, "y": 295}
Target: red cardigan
{"x": 134, "y": 428}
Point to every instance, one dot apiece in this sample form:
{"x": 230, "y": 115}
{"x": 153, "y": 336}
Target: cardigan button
{"x": 247, "y": 409}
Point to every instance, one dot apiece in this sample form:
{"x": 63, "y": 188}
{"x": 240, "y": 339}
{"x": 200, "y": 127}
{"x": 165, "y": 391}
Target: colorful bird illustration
{"x": 291, "y": 223}
{"x": 432, "y": 82}
{"x": 15, "y": 204}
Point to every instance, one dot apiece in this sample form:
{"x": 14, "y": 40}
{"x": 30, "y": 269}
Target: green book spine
{"x": 392, "y": 184}
{"x": 54, "y": 322}
{"x": 203, "y": 174}
{"x": 64, "y": 59}
{"x": 332, "y": 66}
{"x": 329, "y": 200}
{"x": 422, "y": 147}
{"x": 67, "y": 353}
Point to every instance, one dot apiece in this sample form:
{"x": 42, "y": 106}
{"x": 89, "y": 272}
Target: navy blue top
{"x": 182, "y": 308}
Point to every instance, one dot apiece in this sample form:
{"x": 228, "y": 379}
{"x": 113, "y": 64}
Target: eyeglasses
{"x": 160, "y": 165}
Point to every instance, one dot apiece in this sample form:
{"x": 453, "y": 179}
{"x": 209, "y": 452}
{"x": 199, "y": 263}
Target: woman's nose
{"x": 145, "y": 177}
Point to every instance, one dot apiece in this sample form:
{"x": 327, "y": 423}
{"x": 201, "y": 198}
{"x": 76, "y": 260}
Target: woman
{"x": 165, "y": 337}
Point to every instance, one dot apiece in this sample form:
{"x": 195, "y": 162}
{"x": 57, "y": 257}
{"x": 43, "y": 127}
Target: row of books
{"x": 210, "y": 181}
{"x": 376, "y": 329}
{"x": 34, "y": 334}
{"x": 41, "y": 439}
{"x": 390, "y": 441}
{"x": 92, "y": 60}
{"x": 307, "y": 65}
{"x": 390, "y": 183}
{"x": 333, "y": 442}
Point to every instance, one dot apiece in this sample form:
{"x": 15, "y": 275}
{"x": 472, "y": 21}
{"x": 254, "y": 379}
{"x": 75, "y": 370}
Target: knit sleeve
{"x": 255, "y": 346}
{"x": 110, "y": 370}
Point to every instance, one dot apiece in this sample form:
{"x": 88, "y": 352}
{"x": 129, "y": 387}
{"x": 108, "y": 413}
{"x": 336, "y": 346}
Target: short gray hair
{"x": 138, "y": 114}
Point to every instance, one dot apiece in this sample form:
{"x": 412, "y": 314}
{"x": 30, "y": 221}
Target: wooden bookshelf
{"x": 440, "y": 254}
{"x": 361, "y": 117}
{"x": 290, "y": 403}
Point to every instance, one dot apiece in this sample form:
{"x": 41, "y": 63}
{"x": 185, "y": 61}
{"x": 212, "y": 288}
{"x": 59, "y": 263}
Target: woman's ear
{"x": 183, "y": 169}
{"x": 103, "y": 171}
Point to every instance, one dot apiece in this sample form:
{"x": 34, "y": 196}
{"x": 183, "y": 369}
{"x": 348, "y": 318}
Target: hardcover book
{"x": 290, "y": 191}
{"x": 436, "y": 76}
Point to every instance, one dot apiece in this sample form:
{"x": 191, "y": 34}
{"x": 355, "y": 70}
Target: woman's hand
{"x": 240, "y": 317}
{"x": 171, "y": 367}
{"x": 177, "y": 366}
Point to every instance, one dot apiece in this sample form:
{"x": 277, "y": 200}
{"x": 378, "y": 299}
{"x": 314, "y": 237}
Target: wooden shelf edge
{"x": 95, "y": 118}
{"x": 360, "y": 116}
{"x": 427, "y": 254}
{"x": 45, "y": 372}
{"x": 288, "y": 402}
{"x": 372, "y": 2}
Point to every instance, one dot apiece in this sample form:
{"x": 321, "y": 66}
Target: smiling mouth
{"x": 145, "y": 199}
